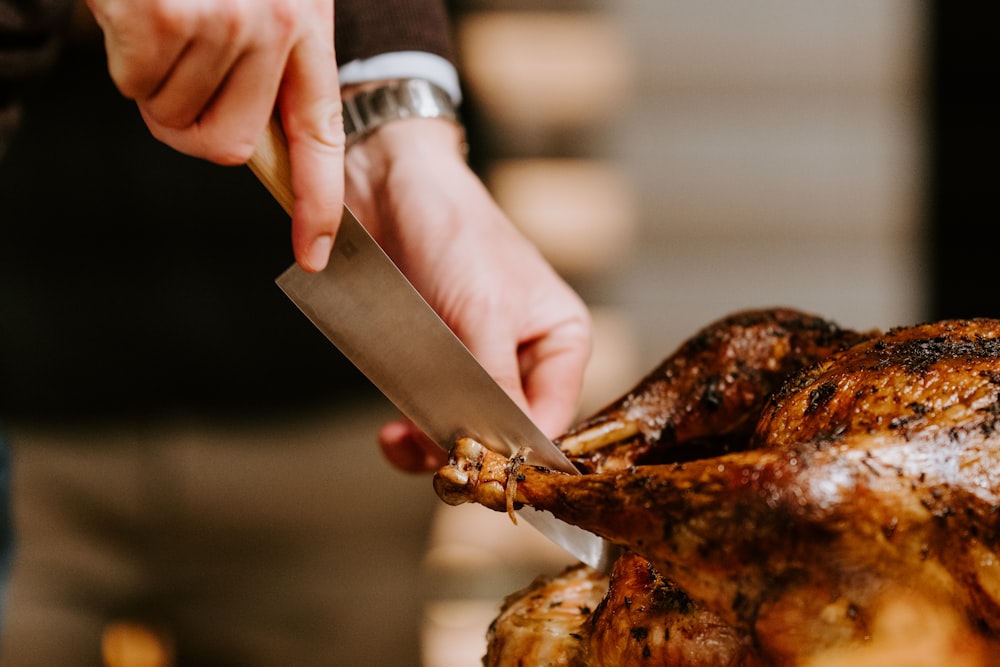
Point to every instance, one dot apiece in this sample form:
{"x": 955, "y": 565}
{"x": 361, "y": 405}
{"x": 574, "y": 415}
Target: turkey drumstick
{"x": 704, "y": 399}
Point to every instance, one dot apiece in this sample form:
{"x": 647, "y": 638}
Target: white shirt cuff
{"x": 404, "y": 65}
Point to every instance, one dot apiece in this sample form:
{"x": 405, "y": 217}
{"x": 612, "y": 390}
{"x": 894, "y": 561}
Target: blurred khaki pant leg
{"x": 256, "y": 542}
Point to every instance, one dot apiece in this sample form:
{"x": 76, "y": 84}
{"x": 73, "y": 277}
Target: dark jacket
{"x": 132, "y": 277}
{"x": 31, "y": 33}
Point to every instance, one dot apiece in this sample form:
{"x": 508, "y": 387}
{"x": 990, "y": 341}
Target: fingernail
{"x": 319, "y": 252}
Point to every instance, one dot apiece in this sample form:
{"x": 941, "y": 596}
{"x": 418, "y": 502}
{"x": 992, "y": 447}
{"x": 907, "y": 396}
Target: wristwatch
{"x": 368, "y": 110}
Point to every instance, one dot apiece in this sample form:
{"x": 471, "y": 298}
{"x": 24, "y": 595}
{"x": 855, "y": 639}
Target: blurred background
{"x": 190, "y": 455}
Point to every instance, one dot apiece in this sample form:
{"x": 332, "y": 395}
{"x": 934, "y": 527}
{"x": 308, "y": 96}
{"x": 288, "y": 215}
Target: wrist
{"x": 412, "y": 143}
{"x": 405, "y": 159}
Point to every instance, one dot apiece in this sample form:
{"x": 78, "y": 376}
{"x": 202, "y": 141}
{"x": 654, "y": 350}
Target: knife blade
{"x": 370, "y": 311}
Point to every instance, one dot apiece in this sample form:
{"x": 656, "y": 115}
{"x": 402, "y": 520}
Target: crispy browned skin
{"x": 876, "y": 470}
{"x": 705, "y": 398}
{"x": 547, "y": 623}
{"x": 647, "y": 620}
{"x": 583, "y": 618}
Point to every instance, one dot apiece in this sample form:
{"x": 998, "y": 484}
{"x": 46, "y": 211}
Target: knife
{"x": 378, "y": 320}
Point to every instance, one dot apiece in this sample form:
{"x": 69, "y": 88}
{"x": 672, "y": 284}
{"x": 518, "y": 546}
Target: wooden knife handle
{"x": 270, "y": 165}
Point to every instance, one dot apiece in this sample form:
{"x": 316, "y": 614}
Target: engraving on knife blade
{"x": 348, "y": 249}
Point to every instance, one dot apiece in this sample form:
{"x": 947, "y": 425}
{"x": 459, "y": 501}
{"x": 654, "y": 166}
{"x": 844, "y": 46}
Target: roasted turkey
{"x": 778, "y": 484}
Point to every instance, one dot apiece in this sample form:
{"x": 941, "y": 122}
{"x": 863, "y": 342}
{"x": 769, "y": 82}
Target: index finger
{"x": 310, "y": 108}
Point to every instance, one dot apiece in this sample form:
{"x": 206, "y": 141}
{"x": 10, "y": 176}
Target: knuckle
{"x": 239, "y": 154}
{"x": 170, "y": 20}
{"x": 229, "y": 153}
{"x": 228, "y": 19}
{"x": 284, "y": 16}
{"x": 201, "y": 142}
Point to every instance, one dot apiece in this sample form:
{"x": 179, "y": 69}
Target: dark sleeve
{"x": 31, "y": 33}
{"x": 366, "y": 28}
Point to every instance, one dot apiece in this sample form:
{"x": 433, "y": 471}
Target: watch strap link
{"x": 368, "y": 110}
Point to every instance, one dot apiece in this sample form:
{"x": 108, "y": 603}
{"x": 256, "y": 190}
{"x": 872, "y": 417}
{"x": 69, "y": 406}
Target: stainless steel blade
{"x": 371, "y": 312}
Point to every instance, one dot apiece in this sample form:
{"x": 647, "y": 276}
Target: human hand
{"x": 410, "y": 185}
{"x": 207, "y": 76}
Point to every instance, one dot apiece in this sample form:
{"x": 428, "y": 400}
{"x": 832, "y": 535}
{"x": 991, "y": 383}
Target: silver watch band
{"x": 403, "y": 98}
